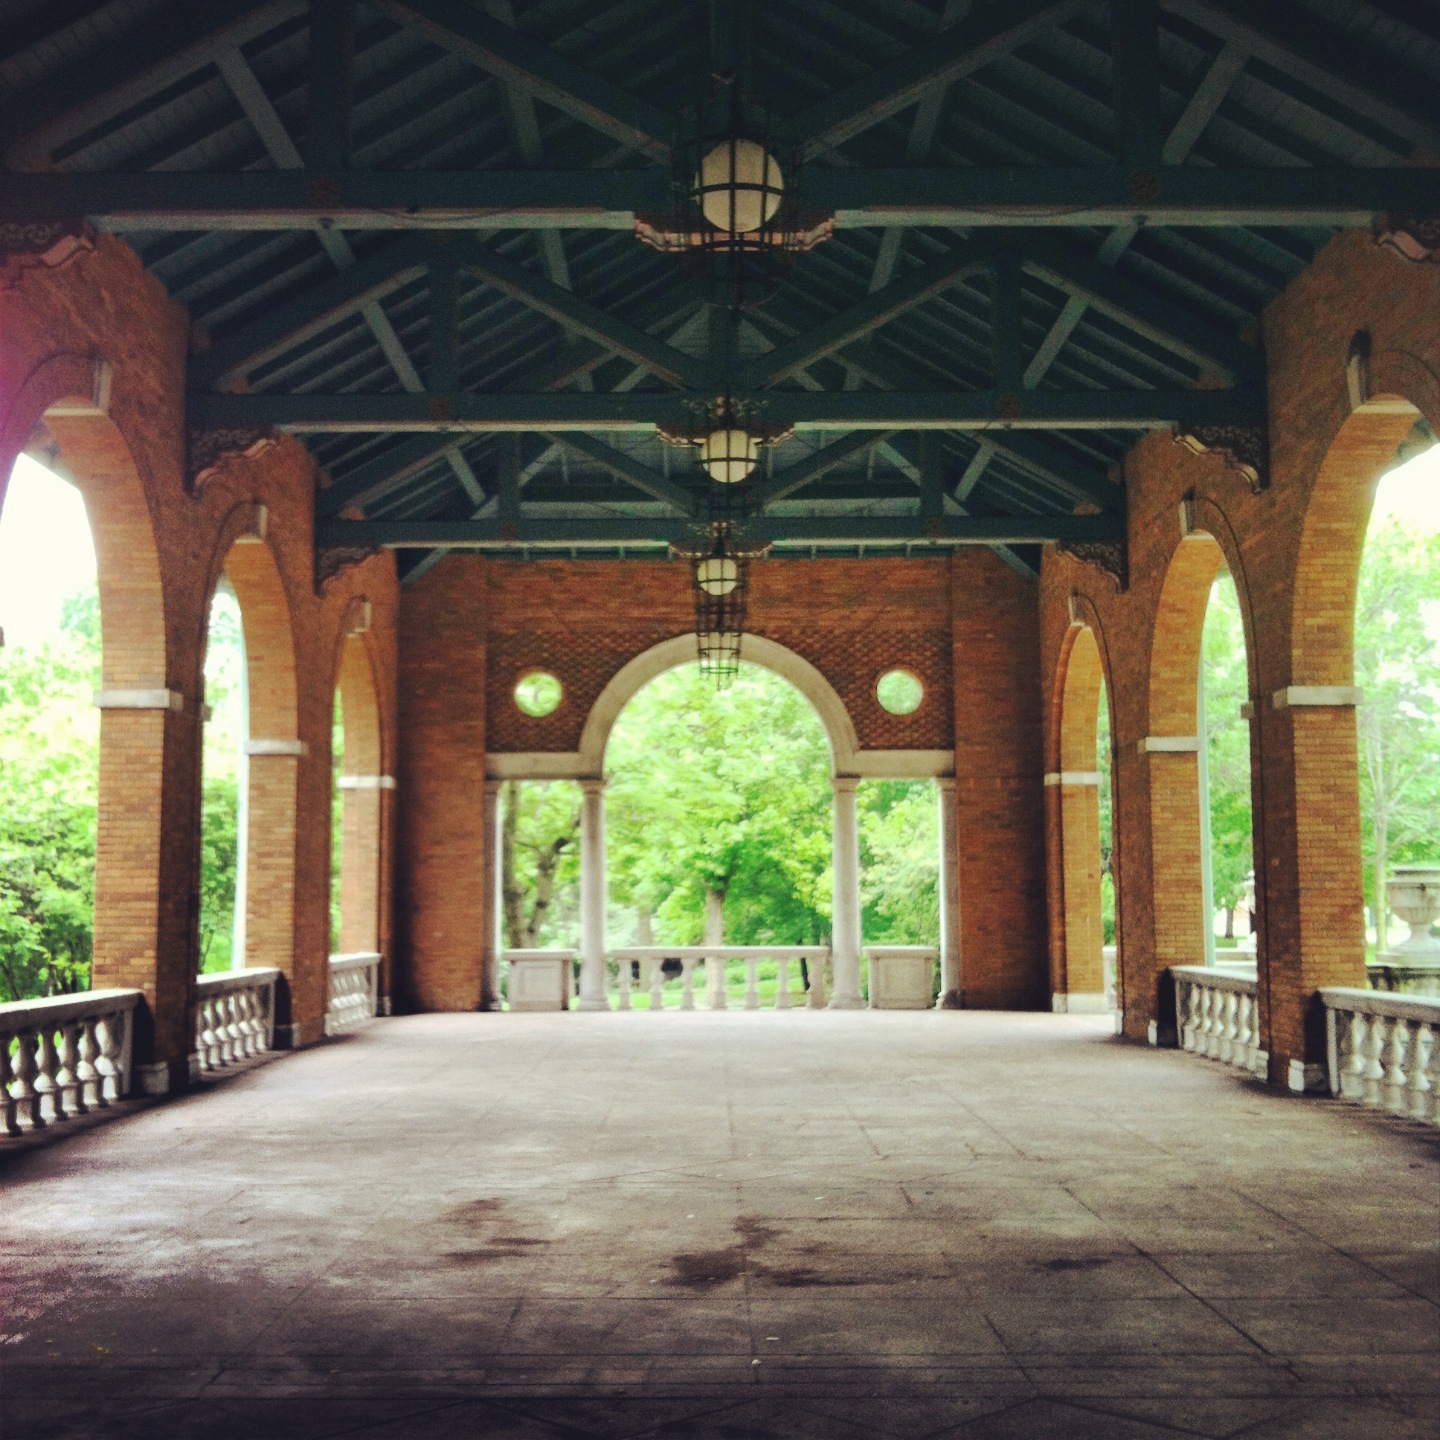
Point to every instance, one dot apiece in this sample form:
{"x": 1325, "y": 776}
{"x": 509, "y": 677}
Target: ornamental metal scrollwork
{"x": 1416, "y": 237}
{"x": 40, "y": 245}
{"x": 207, "y": 449}
{"x": 1242, "y": 448}
{"x": 1110, "y": 556}
{"x": 331, "y": 560}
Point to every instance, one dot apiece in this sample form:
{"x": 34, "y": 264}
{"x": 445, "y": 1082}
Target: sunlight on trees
{"x": 1227, "y": 740}
{"x": 1104, "y": 763}
{"x": 221, "y": 770}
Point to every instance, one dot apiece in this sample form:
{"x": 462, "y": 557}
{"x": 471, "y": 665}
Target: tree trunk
{"x": 714, "y": 917}
{"x": 644, "y": 928}
{"x": 511, "y": 890}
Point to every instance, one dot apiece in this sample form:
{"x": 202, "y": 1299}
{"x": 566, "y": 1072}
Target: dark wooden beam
{"x": 944, "y": 532}
{"x": 642, "y": 410}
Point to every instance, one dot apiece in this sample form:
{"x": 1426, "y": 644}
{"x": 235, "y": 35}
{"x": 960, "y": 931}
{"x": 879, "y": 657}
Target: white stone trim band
{"x": 1169, "y": 745}
{"x": 1296, "y": 697}
{"x": 365, "y": 782}
{"x": 139, "y": 700}
{"x": 276, "y": 747}
{"x": 1072, "y": 777}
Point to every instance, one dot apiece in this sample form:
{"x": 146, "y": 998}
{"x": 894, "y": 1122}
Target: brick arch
{"x": 631, "y": 678}
{"x": 1175, "y": 639}
{"x": 1332, "y": 540}
{"x": 68, "y": 394}
{"x": 363, "y": 803}
{"x": 1073, "y": 822}
{"x": 273, "y": 747}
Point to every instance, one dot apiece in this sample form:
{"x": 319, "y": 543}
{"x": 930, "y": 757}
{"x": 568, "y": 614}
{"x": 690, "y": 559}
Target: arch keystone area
{"x": 637, "y": 673}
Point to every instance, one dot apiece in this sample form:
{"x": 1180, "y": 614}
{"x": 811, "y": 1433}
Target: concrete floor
{"x": 748, "y": 1226}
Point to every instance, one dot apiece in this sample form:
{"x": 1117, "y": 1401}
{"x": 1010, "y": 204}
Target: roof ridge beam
{"x": 940, "y": 532}
{"x": 1137, "y": 309}
{"x": 974, "y": 43}
{"x": 911, "y": 289}
{"x": 176, "y": 42}
{"x": 567, "y": 309}
{"x": 335, "y": 299}
{"x": 559, "y": 411}
{"x": 518, "y": 60}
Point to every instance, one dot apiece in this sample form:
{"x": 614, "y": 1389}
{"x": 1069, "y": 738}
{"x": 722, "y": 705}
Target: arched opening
{"x": 362, "y": 780}
{"x": 49, "y": 736}
{"x": 1197, "y": 752}
{"x": 1397, "y": 672}
{"x": 1317, "y": 930}
{"x": 735, "y": 782}
{"x": 268, "y": 776}
{"x": 142, "y": 934}
{"x": 1082, "y": 960}
{"x": 222, "y": 768}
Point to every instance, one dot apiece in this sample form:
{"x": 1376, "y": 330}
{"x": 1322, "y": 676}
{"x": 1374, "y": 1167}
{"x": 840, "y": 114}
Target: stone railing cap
{"x": 355, "y": 960}
{"x": 1380, "y": 1002}
{"x": 225, "y": 981}
{"x": 51, "y": 1009}
{"x": 1216, "y": 979}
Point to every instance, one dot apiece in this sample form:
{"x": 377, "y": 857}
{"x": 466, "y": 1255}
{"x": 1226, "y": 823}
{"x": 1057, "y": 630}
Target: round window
{"x": 538, "y": 693}
{"x": 899, "y": 692}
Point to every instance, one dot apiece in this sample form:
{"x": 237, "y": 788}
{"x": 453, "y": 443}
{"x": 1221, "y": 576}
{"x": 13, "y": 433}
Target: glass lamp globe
{"x": 729, "y": 455}
{"x": 718, "y": 574}
{"x": 724, "y": 175}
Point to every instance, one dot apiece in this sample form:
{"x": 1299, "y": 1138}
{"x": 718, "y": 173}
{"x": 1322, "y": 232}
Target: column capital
{"x": 844, "y": 784}
{"x": 945, "y": 784}
{"x": 592, "y": 784}
{"x": 491, "y": 787}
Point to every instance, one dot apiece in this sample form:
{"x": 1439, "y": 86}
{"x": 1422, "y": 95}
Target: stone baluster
{"x": 1396, "y": 1083}
{"x": 782, "y": 984}
{"x": 1422, "y": 1074}
{"x": 47, "y": 1098}
{"x": 1186, "y": 1000}
{"x": 240, "y": 1027}
{"x": 1373, "y": 1075}
{"x": 1352, "y": 1070}
{"x": 90, "y": 1086}
{"x": 715, "y": 982}
{"x": 815, "y": 1000}
{"x": 68, "y": 1099}
{"x": 752, "y": 983}
{"x": 27, "y": 1098}
{"x": 657, "y": 983}
{"x": 622, "y": 977}
{"x": 9, "y": 1108}
{"x": 687, "y": 983}
{"x": 110, "y": 1033}
{"x": 1245, "y": 1032}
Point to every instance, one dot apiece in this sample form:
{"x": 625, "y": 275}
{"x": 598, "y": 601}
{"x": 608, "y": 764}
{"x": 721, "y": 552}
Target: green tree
{"x": 219, "y": 797}
{"x": 900, "y": 856}
{"x": 1227, "y": 688}
{"x": 539, "y": 863}
{"x": 49, "y": 747}
{"x": 1397, "y": 666}
{"x": 719, "y": 810}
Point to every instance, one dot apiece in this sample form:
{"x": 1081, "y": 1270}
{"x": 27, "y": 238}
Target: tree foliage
{"x": 1397, "y": 667}
{"x": 1227, "y": 738}
{"x": 49, "y": 734}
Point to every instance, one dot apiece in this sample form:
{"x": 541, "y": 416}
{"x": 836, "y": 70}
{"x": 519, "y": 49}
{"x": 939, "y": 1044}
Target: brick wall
{"x": 160, "y": 550}
{"x": 1293, "y": 550}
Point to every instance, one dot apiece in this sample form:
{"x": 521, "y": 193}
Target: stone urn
{"x": 1414, "y": 892}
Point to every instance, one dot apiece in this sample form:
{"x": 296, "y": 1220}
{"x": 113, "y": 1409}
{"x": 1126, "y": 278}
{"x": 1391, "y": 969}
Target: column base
{"x": 587, "y": 1002}
{"x": 1080, "y": 1003}
{"x": 846, "y": 1002}
{"x": 950, "y": 1000}
{"x": 1306, "y": 1079}
{"x": 153, "y": 1079}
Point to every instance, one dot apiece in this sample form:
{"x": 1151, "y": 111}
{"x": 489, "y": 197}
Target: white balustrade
{"x": 64, "y": 1056}
{"x": 234, "y": 1016}
{"x": 1217, "y": 1014}
{"x": 354, "y": 990}
{"x": 1382, "y": 1051}
{"x": 651, "y": 959}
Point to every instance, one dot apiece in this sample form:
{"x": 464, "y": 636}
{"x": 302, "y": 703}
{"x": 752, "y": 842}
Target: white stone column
{"x": 845, "y": 904}
{"x": 491, "y": 942}
{"x": 950, "y": 990}
{"x": 592, "y": 895}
